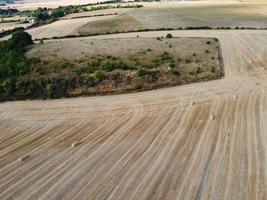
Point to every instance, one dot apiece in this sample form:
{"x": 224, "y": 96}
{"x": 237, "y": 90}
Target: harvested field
{"x": 190, "y": 14}
{"x": 114, "y": 24}
{"x": 149, "y": 145}
{"x": 62, "y": 27}
{"x": 159, "y": 15}
{"x": 34, "y": 4}
{"x": 97, "y": 12}
{"x": 11, "y": 25}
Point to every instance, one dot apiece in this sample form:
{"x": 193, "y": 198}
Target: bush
{"x": 176, "y": 72}
{"x": 8, "y": 86}
{"x": 12, "y": 59}
{"x": 169, "y": 35}
{"x": 113, "y": 64}
{"x": 207, "y": 51}
{"x": 20, "y": 40}
{"x": 99, "y": 75}
{"x": 165, "y": 56}
{"x": 199, "y": 70}
{"x": 172, "y": 65}
{"x": 142, "y": 72}
{"x": 188, "y": 60}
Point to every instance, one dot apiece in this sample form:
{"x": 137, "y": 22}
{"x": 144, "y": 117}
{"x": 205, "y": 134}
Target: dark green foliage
{"x": 8, "y": 86}
{"x": 172, "y": 65}
{"x": 169, "y": 35}
{"x": 145, "y": 72}
{"x": 188, "y": 60}
{"x": 165, "y": 56}
{"x": 179, "y": 60}
{"x": 52, "y": 87}
{"x": 99, "y": 75}
{"x": 12, "y": 59}
{"x": 112, "y": 63}
{"x": 199, "y": 70}
{"x": 8, "y": 11}
{"x": 176, "y": 72}
{"x": 8, "y": 32}
{"x": 213, "y": 69}
{"x": 20, "y": 40}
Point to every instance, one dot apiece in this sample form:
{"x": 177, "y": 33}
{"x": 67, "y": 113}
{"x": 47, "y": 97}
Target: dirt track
{"x": 149, "y": 145}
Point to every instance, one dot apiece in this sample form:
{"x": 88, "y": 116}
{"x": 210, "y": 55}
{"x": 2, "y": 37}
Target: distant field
{"x": 34, "y": 4}
{"x": 97, "y": 12}
{"x": 190, "y": 14}
{"x": 70, "y": 24}
{"x": 114, "y": 24}
{"x": 8, "y": 23}
{"x": 12, "y": 25}
{"x": 159, "y": 15}
{"x": 62, "y": 27}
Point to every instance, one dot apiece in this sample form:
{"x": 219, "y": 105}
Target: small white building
{"x": 32, "y": 21}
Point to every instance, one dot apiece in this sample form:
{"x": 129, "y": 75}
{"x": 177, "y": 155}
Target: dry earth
{"x": 149, "y": 145}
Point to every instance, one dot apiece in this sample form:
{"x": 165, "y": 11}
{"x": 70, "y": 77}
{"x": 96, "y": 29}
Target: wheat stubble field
{"x": 198, "y": 141}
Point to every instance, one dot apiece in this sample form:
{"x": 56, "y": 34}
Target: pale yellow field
{"x": 62, "y": 27}
{"x": 12, "y": 25}
{"x": 97, "y": 12}
{"x": 197, "y": 14}
{"x": 34, "y": 4}
{"x": 199, "y": 141}
{"x": 161, "y": 15}
{"x": 68, "y": 26}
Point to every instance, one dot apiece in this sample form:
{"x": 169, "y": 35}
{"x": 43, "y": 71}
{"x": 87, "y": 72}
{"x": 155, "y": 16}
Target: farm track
{"x": 148, "y": 145}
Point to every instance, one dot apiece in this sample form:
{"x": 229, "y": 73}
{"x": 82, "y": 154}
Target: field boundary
{"x": 151, "y": 30}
